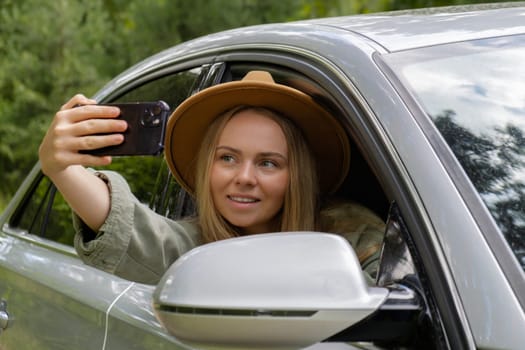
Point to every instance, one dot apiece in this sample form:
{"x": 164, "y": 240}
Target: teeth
{"x": 243, "y": 199}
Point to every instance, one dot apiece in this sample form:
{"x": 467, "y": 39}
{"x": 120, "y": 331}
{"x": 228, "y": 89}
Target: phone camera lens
{"x": 156, "y": 110}
{"x": 150, "y": 118}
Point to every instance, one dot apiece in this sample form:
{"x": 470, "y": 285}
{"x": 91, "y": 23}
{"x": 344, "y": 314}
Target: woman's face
{"x": 249, "y": 175}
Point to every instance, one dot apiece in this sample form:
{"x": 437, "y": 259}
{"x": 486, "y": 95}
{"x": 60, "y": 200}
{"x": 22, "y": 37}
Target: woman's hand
{"x": 74, "y": 129}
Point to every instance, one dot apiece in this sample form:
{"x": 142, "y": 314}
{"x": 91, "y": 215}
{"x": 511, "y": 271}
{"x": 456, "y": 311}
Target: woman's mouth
{"x": 240, "y": 199}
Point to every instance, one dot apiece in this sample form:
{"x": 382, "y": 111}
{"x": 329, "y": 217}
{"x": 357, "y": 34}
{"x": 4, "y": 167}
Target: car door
{"x": 48, "y": 298}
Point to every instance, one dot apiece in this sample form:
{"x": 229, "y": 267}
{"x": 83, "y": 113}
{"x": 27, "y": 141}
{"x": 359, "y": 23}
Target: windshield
{"x": 475, "y": 94}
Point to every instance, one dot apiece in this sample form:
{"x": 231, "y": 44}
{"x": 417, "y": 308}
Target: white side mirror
{"x": 283, "y": 290}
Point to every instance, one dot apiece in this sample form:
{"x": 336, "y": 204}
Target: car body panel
{"x": 405, "y": 30}
{"x": 47, "y": 293}
{"x": 132, "y": 323}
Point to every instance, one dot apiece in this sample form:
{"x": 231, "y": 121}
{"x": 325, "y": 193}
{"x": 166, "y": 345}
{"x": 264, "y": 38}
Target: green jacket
{"x": 138, "y": 244}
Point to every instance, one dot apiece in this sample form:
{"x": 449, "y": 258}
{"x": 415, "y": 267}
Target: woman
{"x": 249, "y": 151}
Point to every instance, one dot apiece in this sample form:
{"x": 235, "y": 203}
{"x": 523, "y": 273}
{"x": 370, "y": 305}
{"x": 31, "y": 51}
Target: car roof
{"x": 403, "y": 30}
{"x": 378, "y": 32}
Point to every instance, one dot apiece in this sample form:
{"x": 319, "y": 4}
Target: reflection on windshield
{"x": 475, "y": 94}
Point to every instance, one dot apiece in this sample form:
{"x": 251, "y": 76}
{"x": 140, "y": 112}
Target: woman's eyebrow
{"x": 261, "y": 154}
{"x": 273, "y": 154}
{"x": 227, "y": 148}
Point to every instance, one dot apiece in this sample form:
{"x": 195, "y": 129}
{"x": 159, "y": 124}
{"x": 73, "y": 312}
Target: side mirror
{"x": 283, "y": 290}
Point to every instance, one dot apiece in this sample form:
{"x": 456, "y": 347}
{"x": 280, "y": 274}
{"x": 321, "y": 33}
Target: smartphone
{"x": 145, "y": 132}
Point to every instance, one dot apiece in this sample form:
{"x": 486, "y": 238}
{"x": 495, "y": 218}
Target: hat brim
{"x": 188, "y": 124}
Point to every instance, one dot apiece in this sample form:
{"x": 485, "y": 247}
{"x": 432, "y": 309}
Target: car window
{"x": 172, "y": 89}
{"x": 45, "y": 213}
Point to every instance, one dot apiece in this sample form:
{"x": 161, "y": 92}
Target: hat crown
{"x": 259, "y": 75}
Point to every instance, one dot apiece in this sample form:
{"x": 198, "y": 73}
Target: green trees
{"x": 49, "y": 50}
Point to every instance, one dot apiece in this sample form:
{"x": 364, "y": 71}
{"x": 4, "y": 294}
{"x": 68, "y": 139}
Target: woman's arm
{"x": 72, "y": 130}
{"x": 134, "y": 242}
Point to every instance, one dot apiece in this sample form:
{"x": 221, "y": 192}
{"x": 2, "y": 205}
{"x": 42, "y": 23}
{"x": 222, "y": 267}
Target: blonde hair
{"x": 300, "y": 200}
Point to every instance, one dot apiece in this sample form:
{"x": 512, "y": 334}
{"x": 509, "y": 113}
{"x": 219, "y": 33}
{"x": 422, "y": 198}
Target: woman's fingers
{"x": 92, "y": 127}
{"x": 92, "y": 161}
{"x": 84, "y": 112}
{"x": 77, "y": 100}
{"x": 91, "y": 142}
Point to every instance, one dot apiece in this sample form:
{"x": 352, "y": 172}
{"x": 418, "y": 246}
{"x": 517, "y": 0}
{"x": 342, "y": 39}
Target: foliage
{"x": 48, "y": 50}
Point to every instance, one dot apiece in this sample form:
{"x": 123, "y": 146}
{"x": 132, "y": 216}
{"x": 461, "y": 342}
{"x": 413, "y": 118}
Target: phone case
{"x": 145, "y": 132}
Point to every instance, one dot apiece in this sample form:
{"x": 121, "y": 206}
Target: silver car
{"x": 434, "y": 104}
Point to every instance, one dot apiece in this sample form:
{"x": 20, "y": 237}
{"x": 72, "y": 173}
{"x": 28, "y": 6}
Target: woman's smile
{"x": 242, "y": 199}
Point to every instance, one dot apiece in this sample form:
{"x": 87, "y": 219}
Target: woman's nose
{"x": 246, "y": 174}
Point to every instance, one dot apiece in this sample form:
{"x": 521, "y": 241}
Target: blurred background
{"x": 50, "y": 50}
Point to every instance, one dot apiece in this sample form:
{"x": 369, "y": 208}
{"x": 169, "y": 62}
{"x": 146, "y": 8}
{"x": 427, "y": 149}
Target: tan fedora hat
{"x": 188, "y": 124}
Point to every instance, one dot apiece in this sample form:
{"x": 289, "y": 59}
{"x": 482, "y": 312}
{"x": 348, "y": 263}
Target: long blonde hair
{"x": 300, "y": 200}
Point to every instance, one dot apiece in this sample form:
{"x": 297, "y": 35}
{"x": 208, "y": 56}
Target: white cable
{"x": 107, "y": 313}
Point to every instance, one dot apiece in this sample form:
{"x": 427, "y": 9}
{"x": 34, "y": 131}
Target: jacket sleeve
{"x": 134, "y": 243}
{"x": 361, "y": 227}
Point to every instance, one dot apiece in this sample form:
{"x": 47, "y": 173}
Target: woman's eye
{"x": 227, "y": 158}
{"x": 269, "y": 164}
